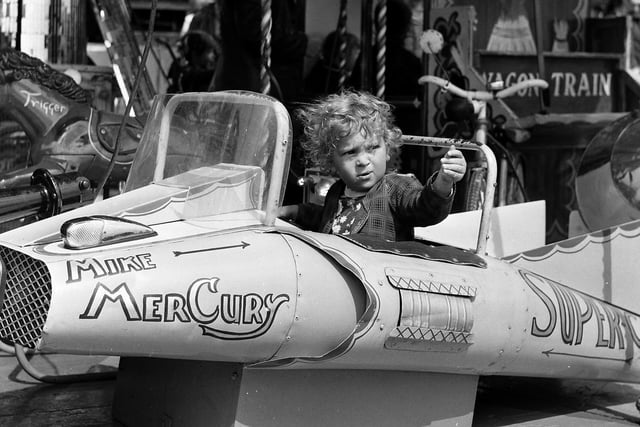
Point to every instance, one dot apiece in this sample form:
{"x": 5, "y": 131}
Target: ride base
{"x": 170, "y": 392}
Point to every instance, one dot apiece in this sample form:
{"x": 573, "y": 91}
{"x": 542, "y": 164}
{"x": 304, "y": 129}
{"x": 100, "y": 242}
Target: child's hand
{"x": 453, "y": 165}
{"x": 452, "y": 168}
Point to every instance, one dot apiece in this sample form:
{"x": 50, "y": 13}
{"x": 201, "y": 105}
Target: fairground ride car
{"x": 223, "y": 313}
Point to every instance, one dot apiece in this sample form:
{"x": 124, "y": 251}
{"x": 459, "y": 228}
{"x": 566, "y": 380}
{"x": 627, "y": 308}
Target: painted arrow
{"x": 242, "y": 245}
{"x": 548, "y": 352}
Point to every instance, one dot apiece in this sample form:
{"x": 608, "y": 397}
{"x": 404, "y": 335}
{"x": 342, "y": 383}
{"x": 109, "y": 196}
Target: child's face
{"x": 361, "y": 162}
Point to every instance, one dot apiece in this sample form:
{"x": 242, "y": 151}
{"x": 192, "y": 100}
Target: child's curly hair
{"x": 338, "y": 116}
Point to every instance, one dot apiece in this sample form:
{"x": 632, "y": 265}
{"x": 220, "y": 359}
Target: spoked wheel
{"x": 515, "y": 182}
{"x": 15, "y": 147}
{"x": 476, "y": 186}
{"x": 10, "y": 129}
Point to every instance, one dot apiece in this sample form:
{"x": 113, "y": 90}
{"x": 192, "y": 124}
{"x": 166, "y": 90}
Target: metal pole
{"x": 537, "y": 16}
{"x": 265, "y": 26}
{"x": 19, "y": 25}
{"x": 365, "y": 62}
{"x": 423, "y": 165}
{"x": 381, "y": 44}
{"x": 342, "y": 50}
{"x": 424, "y": 105}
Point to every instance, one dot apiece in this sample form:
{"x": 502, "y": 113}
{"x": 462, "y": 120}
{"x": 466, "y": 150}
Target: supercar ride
{"x": 190, "y": 273}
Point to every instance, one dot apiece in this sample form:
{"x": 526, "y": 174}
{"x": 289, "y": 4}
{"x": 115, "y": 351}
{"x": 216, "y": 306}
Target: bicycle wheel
{"x": 515, "y": 182}
{"x": 474, "y": 193}
{"x": 14, "y": 146}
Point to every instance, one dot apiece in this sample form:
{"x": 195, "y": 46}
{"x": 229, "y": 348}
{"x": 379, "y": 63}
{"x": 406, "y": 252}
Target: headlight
{"x": 98, "y": 230}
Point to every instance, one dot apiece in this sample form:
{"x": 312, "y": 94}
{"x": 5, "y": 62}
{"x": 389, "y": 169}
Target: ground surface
{"x": 25, "y": 401}
{"x": 508, "y": 401}
{"x": 500, "y": 401}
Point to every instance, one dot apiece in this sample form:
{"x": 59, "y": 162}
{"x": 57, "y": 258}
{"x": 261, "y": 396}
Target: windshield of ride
{"x": 194, "y": 130}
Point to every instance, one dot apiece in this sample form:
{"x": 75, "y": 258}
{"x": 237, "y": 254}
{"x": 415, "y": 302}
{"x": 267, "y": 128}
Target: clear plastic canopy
{"x": 194, "y": 130}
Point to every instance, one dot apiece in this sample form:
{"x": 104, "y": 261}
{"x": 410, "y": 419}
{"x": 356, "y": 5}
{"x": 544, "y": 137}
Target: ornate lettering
{"x": 536, "y": 330}
{"x": 34, "y": 100}
{"x": 102, "y": 294}
{"x": 573, "y": 311}
{"x": 194, "y": 296}
{"x": 567, "y": 84}
{"x": 221, "y": 315}
{"x": 107, "y": 267}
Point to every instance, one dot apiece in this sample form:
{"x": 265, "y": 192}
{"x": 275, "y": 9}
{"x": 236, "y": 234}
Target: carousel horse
{"x": 66, "y": 133}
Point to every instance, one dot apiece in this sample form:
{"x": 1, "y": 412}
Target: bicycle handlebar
{"x": 480, "y": 95}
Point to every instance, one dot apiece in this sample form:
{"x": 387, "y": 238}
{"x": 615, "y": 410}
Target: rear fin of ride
{"x": 603, "y": 263}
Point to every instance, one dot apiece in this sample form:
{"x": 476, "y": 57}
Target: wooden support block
{"x": 164, "y": 392}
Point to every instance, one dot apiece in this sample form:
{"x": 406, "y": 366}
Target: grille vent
{"x": 27, "y": 297}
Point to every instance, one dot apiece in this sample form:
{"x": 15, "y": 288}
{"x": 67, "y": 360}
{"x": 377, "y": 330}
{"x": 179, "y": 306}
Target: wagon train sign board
{"x": 578, "y": 83}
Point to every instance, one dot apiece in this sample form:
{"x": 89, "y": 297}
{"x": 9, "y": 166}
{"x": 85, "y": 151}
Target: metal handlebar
{"x": 480, "y": 95}
{"x": 492, "y": 167}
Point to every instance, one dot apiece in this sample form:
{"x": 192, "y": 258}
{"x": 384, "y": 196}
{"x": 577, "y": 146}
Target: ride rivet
{"x": 382, "y": 327}
{"x": 288, "y": 338}
{"x": 103, "y": 131}
{"x": 83, "y": 184}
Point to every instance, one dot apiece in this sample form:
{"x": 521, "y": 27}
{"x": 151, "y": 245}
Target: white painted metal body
{"x": 218, "y": 283}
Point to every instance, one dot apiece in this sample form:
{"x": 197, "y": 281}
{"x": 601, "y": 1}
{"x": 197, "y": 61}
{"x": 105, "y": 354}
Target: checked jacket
{"x": 396, "y": 204}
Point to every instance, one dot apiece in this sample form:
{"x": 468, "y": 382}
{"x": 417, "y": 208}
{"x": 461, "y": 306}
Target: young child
{"x": 352, "y": 134}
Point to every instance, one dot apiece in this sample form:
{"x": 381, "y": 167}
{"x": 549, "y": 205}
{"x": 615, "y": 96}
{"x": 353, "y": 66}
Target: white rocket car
{"x": 224, "y": 314}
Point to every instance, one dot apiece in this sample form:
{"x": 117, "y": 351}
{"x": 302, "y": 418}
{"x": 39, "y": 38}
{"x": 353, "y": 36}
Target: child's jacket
{"x": 395, "y": 205}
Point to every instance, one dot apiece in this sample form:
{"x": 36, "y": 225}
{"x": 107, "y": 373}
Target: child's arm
{"x": 452, "y": 168}
{"x": 420, "y": 206}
